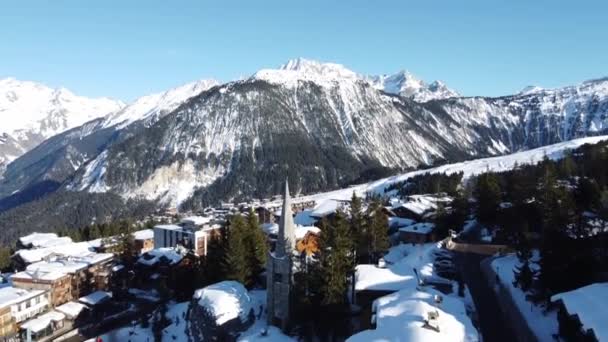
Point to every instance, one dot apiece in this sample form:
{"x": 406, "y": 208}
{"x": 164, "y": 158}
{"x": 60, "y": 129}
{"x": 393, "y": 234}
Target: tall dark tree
{"x": 256, "y": 246}
{"x": 358, "y": 229}
{"x": 488, "y": 195}
{"x": 378, "y": 241}
{"x": 236, "y": 266}
{"x": 336, "y": 262}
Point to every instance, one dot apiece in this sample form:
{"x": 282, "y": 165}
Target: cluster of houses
{"x": 57, "y": 279}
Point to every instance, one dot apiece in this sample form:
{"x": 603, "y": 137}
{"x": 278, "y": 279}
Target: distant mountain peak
{"x": 404, "y": 83}
{"x": 156, "y": 105}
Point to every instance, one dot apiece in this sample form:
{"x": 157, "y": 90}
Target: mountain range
{"x": 321, "y": 124}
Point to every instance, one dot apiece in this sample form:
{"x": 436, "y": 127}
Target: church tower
{"x": 279, "y": 268}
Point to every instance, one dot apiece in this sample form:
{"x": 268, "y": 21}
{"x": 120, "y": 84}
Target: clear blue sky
{"x": 125, "y": 49}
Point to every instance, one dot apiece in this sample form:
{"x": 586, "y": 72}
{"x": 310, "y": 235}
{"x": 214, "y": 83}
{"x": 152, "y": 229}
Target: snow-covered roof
{"x": 400, "y": 317}
{"x": 420, "y": 204}
{"x": 73, "y": 249}
{"x": 399, "y": 221}
{"x": 399, "y": 273}
{"x": 41, "y": 322}
{"x": 145, "y": 234}
{"x": 326, "y": 207}
{"x": 172, "y": 255}
{"x": 589, "y": 304}
{"x": 168, "y": 227}
{"x": 300, "y": 231}
{"x": 42, "y": 240}
{"x": 57, "y": 267}
{"x": 225, "y": 300}
{"x": 418, "y": 228}
{"x": 95, "y": 298}
{"x": 196, "y": 220}
{"x": 10, "y": 295}
{"x": 71, "y": 309}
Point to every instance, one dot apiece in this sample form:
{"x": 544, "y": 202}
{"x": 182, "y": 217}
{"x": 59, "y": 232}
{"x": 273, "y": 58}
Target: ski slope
{"x": 469, "y": 169}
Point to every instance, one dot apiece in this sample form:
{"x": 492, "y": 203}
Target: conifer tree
{"x": 257, "y": 248}
{"x": 488, "y": 195}
{"x": 358, "y": 229}
{"x": 236, "y": 266}
{"x": 336, "y": 262}
{"x": 125, "y": 243}
{"x": 378, "y": 231}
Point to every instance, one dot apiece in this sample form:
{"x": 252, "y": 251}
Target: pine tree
{"x": 125, "y": 243}
{"x": 488, "y": 195}
{"x": 358, "y": 229}
{"x": 236, "y": 266}
{"x": 336, "y": 262}
{"x": 378, "y": 231}
{"x": 257, "y": 248}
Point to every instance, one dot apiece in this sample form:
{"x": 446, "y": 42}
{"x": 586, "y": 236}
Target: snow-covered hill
{"x": 469, "y": 169}
{"x": 32, "y": 112}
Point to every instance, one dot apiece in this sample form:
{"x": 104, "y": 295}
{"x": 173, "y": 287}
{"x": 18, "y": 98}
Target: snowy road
{"x": 492, "y": 323}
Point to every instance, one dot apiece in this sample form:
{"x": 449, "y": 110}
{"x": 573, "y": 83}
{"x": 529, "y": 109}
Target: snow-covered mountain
{"x": 321, "y": 124}
{"x": 150, "y": 108}
{"x": 405, "y": 84}
{"x": 32, "y": 112}
{"x": 402, "y": 83}
{"x": 58, "y": 157}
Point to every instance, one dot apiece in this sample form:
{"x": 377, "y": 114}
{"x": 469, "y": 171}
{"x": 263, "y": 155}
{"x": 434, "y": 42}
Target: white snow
{"x": 400, "y": 316}
{"x": 42, "y": 240}
{"x": 225, "y": 300}
{"x": 144, "y": 234}
{"x": 71, "y": 309}
{"x": 95, "y": 298}
{"x": 172, "y": 255}
{"x": 589, "y": 304}
{"x": 10, "y": 295}
{"x": 39, "y": 323}
{"x": 543, "y": 323}
{"x": 155, "y": 106}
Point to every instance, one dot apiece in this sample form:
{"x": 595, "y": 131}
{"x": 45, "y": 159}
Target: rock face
{"x": 321, "y": 124}
{"x": 32, "y": 112}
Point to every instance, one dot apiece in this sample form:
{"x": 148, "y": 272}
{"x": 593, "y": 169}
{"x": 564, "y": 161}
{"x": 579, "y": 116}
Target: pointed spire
{"x": 286, "y": 242}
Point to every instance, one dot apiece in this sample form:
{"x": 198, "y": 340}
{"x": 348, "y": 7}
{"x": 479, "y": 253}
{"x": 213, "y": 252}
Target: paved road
{"x": 492, "y": 323}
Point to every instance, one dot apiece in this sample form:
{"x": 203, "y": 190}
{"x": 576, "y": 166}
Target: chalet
{"x": 143, "y": 240}
{"x": 308, "y": 244}
{"x": 422, "y": 232}
{"x": 45, "y": 327}
{"x": 418, "y": 207}
{"x": 66, "y": 278}
{"x": 18, "y": 305}
{"x": 307, "y": 237}
{"x": 328, "y": 208}
{"x": 582, "y": 313}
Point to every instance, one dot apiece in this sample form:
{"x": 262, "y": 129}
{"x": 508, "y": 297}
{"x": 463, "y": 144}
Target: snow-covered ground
{"x": 542, "y": 323}
{"x": 177, "y": 314}
{"x": 400, "y": 316}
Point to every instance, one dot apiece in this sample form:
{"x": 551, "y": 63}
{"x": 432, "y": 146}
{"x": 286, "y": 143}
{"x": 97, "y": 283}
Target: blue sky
{"x": 126, "y": 49}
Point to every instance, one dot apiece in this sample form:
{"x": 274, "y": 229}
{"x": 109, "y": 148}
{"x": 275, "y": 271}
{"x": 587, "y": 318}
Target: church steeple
{"x": 279, "y": 268}
{"x": 286, "y": 242}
